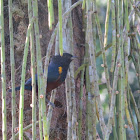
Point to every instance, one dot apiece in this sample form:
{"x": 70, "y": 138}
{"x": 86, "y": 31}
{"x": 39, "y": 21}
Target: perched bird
{"x": 57, "y": 71}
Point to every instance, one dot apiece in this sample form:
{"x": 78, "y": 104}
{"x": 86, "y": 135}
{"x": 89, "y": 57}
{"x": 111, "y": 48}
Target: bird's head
{"x": 63, "y": 60}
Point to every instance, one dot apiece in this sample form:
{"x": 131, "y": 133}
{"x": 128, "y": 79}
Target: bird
{"x": 57, "y": 72}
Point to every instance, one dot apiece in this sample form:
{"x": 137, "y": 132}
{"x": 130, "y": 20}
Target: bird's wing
{"x": 53, "y": 73}
{"x": 29, "y": 81}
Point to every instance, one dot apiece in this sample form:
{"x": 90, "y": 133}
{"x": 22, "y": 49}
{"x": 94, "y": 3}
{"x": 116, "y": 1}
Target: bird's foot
{"x": 50, "y": 103}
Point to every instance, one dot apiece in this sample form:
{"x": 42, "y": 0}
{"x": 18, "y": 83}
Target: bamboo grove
{"x": 125, "y": 47}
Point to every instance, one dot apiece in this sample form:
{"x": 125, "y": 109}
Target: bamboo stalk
{"x": 74, "y": 113}
{"x": 113, "y": 97}
{"x": 73, "y": 94}
{"x": 69, "y": 106}
{"x": 60, "y": 27}
{"x": 92, "y": 107}
{"x": 3, "y": 75}
{"x": 67, "y": 43}
{"x": 87, "y": 105}
{"x": 103, "y": 51}
{"x": 89, "y": 40}
{"x": 107, "y": 22}
{"x": 120, "y": 106}
{"x": 113, "y": 6}
{"x": 12, "y": 61}
{"x": 52, "y": 98}
{"x": 130, "y": 110}
{"x": 126, "y": 65}
{"x": 32, "y": 50}
{"x": 81, "y": 105}
{"x": 50, "y": 13}
{"x": 89, "y": 113}
{"x": 136, "y": 109}
{"x": 84, "y": 4}
{"x": 41, "y": 93}
{"x": 50, "y": 110}
{"x": 21, "y": 105}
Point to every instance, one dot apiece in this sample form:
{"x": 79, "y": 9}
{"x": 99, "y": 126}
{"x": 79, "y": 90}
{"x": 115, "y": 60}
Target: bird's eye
{"x": 60, "y": 70}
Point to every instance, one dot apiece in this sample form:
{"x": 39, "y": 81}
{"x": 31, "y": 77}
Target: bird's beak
{"x": 74, "y": 57}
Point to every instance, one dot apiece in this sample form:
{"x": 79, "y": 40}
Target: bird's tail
{"x": 27, "y": 87}
{"x": 17, "y": 88}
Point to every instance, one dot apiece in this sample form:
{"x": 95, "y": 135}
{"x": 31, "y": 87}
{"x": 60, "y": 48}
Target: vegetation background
{"x": 77, "y": 35}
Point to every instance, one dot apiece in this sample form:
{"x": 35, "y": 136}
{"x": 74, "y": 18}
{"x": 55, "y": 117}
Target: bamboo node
{"x": 125, "y": 126}
{"x": 134, "y": 6}
{"x": 119, "y": 65}
{"x": 118, "y": 35}
{"x": 102, "y": 65}
{"x": 31, "y": 105}
{"x": 16, "y": 129}
{"x": 41, "y": 96}
{"x": 117, "y": 92}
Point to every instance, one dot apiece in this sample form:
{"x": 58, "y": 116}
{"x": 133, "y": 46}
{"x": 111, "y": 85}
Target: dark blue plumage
{"x": 57, "y": 71}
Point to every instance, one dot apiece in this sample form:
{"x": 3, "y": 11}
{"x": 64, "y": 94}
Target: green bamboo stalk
{"x": 89, "y": 113}
{"x": 126, "y": 46}
{"x": 121, "y": 88}
{"x": 32, "y": 50}
{"x": 115, "y": 134}
{"x": 138, "y": 47}
{"x": 128, "y": 115}
{"x": 126, "y": 65}
{"x": 50, "y": 110}
{"x": 89, "y": 101}
{"x": 120, "y": 106}
{"x": 91, "y": 43}
{"x": 92, "y": 107}
{"x": 135, "y": 55}
{"x": 21, "y": 105}
{"x": 3, "y": 75}
{"x": 72, "y": 81}
{"x": 41, "y": 79}
{"x": 52, "y": 98}
{"x": 74, "y": 113}
{"x": 12, "y": 61}
{"x": 107, "y": 22}
{"x": 93, "y": 104}
{"x": 39, "y": 69}
{"x": 69, "y": 106}
{"x": 67, "y": 43}
{"x": 113, "y": 97}
{"x": 73, "y": 94}
{"x": 136, "y": 109}
{"x": 50, "y": 13}
{"x": 60, "y": 27}
{"x": 70, "y": 97}
{"x": 113, "y": 5}
{"x": 81, "y": 105}
{"x": 100, "y": 52}
{"x": 84, "y": 4}
{"x": 132, "y": 118}
{"x": 48, "y": 52}
{"x": 103, "y": 51}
